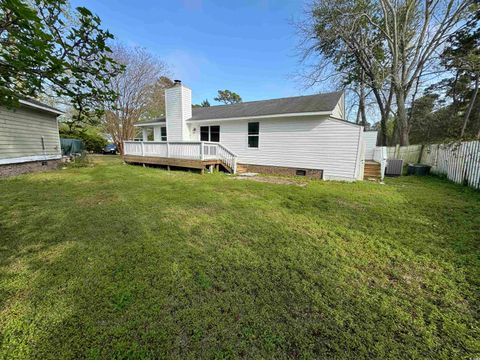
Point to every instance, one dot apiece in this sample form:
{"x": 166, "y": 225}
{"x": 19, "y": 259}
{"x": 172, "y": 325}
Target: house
{"x": 29, "y": 139}
{"x": 304, "y": 135}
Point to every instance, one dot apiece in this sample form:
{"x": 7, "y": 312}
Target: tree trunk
{"x": 120, "y": 148}
{"x": 383, "y": 129}
{"x": 384, "y": 112}
{"x": 394, "y": 140}
{"x": 361, "y": 115}
{"x": 362, "y": 118}
{"x": 470, "y": 107}
{"x": 402, "y": 119}
{"x": 361, "y": 106}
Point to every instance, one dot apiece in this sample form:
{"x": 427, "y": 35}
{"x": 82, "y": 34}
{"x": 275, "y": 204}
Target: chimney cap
{"x": 177, "y": 82}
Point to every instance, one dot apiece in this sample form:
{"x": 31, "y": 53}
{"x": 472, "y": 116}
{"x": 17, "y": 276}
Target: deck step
{"x": 372, "y": 171}
{"x": 241, "y": 168}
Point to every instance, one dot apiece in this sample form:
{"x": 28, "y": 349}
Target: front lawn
{"x": 125, "y": 261}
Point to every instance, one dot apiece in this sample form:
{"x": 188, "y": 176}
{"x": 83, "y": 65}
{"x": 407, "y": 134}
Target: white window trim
{"x": 210, "y": 133}
{"x": 258, "y": 147}
{"x": 166, "y": 134}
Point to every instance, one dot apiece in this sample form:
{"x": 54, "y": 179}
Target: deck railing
{"x": 195, "y": 150}
{"x": 380, "y": 156}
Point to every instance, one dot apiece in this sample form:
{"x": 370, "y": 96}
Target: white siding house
{"x": 28, "y": 134}
{"x": 305, "y": 133}
{"x": 370, "y": 144}
{"x": 318, "y": 142}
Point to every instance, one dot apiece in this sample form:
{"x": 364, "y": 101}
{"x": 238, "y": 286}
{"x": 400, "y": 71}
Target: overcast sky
{"x": 247, "y": 46}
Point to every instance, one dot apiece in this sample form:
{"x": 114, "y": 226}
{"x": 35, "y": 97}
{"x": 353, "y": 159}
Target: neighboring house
{"x": 29, "y": 139}
{"x": 304, "y": 135}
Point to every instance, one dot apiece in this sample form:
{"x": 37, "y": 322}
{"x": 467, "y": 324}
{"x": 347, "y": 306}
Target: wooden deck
{"x": 181, "y": 163}
{"x": 187, "y": 154}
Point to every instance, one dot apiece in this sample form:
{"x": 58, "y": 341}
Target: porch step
{"x": 372, "y": 171}
{"x": 228, "y": 168}
{"x": 241, "y": 169}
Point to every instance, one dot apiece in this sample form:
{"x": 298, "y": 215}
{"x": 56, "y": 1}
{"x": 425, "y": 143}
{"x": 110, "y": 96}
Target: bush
{"x": 91, "y": 138}
{"x": 80, "y": 161}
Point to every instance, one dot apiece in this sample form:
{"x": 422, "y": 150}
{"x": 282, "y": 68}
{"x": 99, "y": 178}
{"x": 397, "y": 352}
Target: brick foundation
{"x": 279, "y": 170}
{"x": 28, "y": 167}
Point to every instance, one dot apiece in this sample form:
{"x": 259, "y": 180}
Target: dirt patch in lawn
{"x": 271, "y": 180}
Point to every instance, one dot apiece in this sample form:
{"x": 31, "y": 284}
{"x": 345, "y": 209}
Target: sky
{"x": 246, "y": 46}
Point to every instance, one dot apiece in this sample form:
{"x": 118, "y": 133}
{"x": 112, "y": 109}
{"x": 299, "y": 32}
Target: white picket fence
{"x": 459, "y": 162}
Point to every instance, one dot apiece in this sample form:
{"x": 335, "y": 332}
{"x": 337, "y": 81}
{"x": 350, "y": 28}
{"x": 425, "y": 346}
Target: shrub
{"x": 91, "y": 138}
{"x": 80, "y": 161}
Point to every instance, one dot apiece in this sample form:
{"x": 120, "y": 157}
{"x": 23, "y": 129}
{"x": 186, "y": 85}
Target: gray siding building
{"x": 29, "y": 138}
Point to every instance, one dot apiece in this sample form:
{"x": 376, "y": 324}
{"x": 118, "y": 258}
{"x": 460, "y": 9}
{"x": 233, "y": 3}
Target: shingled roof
{"x": 39, "y": 105}
{"x": 290, "y": 105}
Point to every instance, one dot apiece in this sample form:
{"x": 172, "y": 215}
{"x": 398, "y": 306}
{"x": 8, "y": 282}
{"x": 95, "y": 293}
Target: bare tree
{"x": 135, "y": 88}
{"x": 156, "y": 103}
{"x": 348, "y": 45}
{"x": 392, "y": 41}
{"x": 414, "y": 31}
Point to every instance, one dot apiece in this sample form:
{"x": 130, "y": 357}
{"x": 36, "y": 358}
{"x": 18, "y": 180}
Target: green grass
{"x": 130, "y": 262}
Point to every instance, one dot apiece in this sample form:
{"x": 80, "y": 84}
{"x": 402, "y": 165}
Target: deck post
{"x": 143, "y": 149}
{"x": 201, "y": 151}
{"x": 168, "y": 149}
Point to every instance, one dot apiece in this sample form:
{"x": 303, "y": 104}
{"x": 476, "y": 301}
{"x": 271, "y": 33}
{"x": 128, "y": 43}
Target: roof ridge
{"x": 315, "y": 104}
{"x": 257, "y": 101}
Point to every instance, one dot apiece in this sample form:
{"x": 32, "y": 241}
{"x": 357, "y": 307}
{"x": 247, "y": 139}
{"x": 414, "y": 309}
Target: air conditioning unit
{"x": 394, "y": 167}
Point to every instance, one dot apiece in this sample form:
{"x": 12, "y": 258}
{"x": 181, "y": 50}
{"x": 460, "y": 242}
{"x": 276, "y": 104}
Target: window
{"x": 163, "y": 133}
{"x": 210, "y": 133}
{"x": 204, "y": 133}
{"x": 253, "y": 134}
{"x": 150, "y": 135}
{"x": 215, "y": 133}
{"x": 301, "y": 172}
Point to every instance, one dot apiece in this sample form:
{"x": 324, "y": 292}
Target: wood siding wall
{"x": 315, "y": 143}
{"x": 21, "y": 132}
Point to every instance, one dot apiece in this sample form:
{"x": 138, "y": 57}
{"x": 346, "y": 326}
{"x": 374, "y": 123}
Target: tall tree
{"x": 135, "y": 88}
{"x": 462, "y": 57}
{"x": 228, "y": 97}
{"x": 413, "y": 31}
{"x": 335, "y": 30}
{"x": 155, "y": 107}
{"x": 393, "y": 41}
{"x": 46, "y": 47}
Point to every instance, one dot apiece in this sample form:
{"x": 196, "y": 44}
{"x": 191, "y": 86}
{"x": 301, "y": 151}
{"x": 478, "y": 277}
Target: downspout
{"x": 44, "y": 150}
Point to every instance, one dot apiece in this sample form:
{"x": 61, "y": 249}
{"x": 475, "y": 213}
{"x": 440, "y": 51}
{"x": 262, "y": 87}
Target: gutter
{"x": 50, "y": 110}
{"x": 150, "y": 124}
